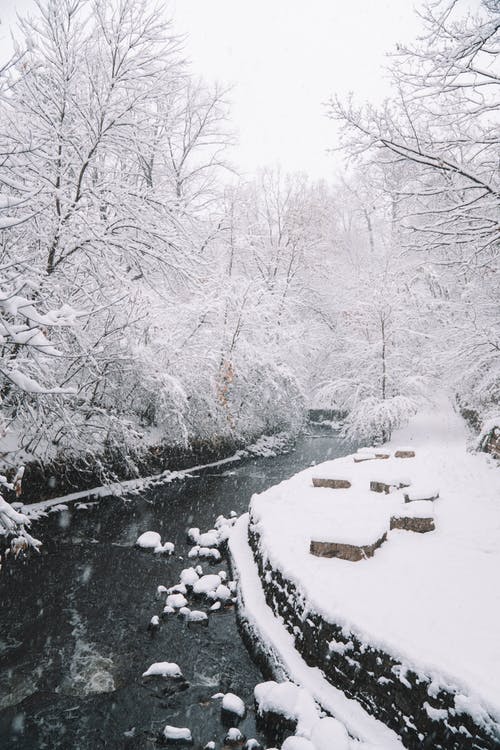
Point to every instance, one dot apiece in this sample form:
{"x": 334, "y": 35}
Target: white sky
{"x": 284, "y": 58}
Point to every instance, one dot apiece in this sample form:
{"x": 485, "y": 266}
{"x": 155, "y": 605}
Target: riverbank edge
{"x": 385, "y": 688}
{"x": 266, "y": 445}
{"x": 40, "y": 493}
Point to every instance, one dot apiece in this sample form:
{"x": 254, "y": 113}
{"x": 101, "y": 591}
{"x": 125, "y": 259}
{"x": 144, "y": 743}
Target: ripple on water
{"x": 89, "y": 671}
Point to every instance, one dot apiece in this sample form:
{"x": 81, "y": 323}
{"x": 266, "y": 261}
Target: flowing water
{"x": 74, "y": 636}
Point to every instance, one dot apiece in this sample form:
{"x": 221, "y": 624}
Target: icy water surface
{"x": 73, "y": 621}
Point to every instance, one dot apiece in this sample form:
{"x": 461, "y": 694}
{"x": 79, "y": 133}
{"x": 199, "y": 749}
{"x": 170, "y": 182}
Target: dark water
{"x": 73, "y": 621}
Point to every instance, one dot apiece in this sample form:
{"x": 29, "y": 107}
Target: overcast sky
{"x": 284, "y": 58}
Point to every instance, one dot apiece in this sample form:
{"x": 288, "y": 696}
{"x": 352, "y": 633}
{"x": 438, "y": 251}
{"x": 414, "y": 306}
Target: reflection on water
{"x": 73, "y": 622}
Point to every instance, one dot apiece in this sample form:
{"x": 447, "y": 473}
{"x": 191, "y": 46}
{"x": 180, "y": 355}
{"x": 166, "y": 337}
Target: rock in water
{"x": 179, "y": 735}
{"x": 232, "y": 704}
{"x": 149, "y": 540}
{"x": 163, "y": 669}
{"x": 233, "y": 737}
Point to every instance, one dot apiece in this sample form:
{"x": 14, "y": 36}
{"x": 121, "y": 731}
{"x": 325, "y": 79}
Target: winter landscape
{"x": 250, "y": 375}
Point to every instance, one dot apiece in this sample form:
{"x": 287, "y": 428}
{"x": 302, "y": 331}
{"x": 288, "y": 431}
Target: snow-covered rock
{"x": 149, "y": 540}
{"x": 177, "y": 734}
{"x": 289, "y": 700}
{"x": 193, "y": 535}
{"x": 176, "y": 601}
{"x": 233, "y": 704}
{"x": 197, "y": 615}
{"x": 208, "y": 539}
{"x": 234, "y": 737}
{"x": 165, "y": 549}
{"x": 188, "y": 577}
{"x": 205, "y": 584}
{"x": 179, "y": 588}
{"x": 207, "y": 552}
{"x": 222, "y": 593}
{"x": 168, "y": 610}
{"x": 163, "y": 669}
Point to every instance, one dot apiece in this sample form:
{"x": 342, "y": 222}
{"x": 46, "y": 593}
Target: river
{"x": 74, "y": 639}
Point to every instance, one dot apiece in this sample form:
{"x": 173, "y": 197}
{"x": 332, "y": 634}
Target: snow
{"x": 233, "y": 735}
{"x": 288, "y": 700}
{"x": 208, "y": 539}
{"x": 177, "y": 734}
{"x": 222, "y": 593}
{"x": 443, "y": 623}
{"x": 207, "y": 583}
{"x": 364, "y": 527}
{"x": 176, "y": 601}
{"x": 163, "y": 669}
{"x": 155, "y": 621}
{"x": 207, "y": 552}
{"x": 298, "y": 743}
{"x": 179, "y": 588}
{"x": 164, "y": 549}
{"x": 233, "y": 704}
{"x": 189, "y": 576}
{"x": 197, "y": 615}
{"x": 421, "y": 491}
{"x": 416, "y": 509}
{"x": 149, "y": 540}
{"x": 329, "y": 734}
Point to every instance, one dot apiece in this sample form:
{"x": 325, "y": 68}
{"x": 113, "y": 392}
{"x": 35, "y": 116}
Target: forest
{"x": 151, "y": 298}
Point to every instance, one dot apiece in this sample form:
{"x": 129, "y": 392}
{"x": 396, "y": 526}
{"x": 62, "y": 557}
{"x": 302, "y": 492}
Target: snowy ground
{"x": 431, "y": 600}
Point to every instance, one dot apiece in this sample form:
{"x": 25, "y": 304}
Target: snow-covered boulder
{"x": 165, "y": 549}
{"x": 233, "y": 737}
{"x": 198, "y": 616}
{"x": 176, "y": 601}
{"x": 179, "y": 735}
{"x": 193, "y": 535}
{"x": 163, "y": 669}
{"x": 233, "y": 704}
{"x": 189, "y": 576}
{"x": 179, "y": 588}
{"x": 209, "y": 539}
{"x": 222, "y": 593}
{"x": 149, "y": 540}
{"x": 205, "y": 584}
{"x": 287, "y": 700}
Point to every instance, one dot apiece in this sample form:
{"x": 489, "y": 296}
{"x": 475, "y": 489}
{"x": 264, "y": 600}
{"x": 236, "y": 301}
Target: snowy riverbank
{"x": 266, "y": 446}
{"x": 430, "y": 602}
